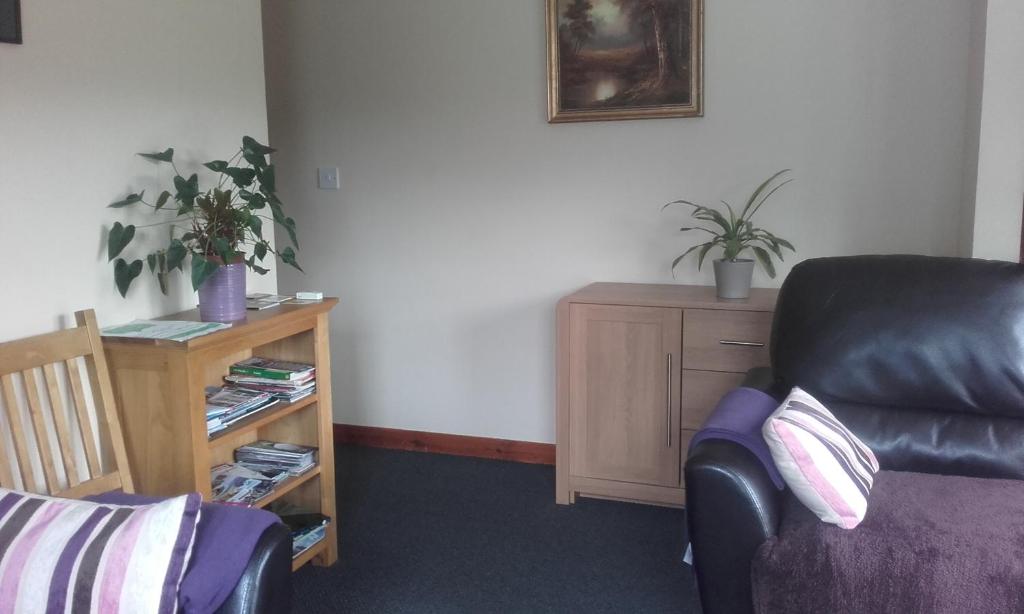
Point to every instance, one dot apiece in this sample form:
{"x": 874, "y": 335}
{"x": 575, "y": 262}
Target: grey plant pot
{"x": 733, "y": 277}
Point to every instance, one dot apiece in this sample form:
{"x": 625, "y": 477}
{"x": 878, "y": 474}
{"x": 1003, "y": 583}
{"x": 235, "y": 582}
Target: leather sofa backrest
{"x": 922, "y": 357}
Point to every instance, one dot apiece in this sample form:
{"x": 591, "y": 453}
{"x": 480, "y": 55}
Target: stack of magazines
{"x": 234, "y": 483}
{"x": 276, "y": 456}
{"x": 288, "y": 381}
{"x": 225, "y": 406}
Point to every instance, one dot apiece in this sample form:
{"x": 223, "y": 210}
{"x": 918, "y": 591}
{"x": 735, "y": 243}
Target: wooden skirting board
{"x": 459, "y": 445}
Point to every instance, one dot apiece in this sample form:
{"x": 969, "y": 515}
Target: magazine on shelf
{"x": 269, "y": 369}
{"x": 271, "y": 454}
{"x": 261, "y": 301}
{"x": 307, "y": 528}
{"x": 233, "y": 483}
{"x": 225, "y": 406}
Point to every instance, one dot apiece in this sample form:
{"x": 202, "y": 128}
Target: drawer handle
{"x": 746, "y": 344}
{"x": 668, "y": 399}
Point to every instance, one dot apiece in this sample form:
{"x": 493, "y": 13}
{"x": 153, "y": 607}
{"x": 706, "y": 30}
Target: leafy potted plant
{"x": 211, "y": 226}
{"x": 735, "y": 234}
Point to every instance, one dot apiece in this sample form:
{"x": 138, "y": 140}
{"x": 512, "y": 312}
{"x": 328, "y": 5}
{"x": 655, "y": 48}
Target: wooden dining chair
{"x": 46, "y": 401}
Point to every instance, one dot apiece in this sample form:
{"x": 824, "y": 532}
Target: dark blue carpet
{"x": 434, "y": 533}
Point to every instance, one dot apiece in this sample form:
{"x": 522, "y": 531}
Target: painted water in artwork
{"x": 624, "y": 54}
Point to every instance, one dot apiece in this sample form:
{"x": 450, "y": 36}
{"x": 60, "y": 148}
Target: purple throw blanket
{"x": 738, "y": 417}
{"x": 225, "y": 539}
{"x": 929, "y": 544}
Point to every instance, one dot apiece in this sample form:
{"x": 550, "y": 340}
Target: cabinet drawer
{"x": 721, "y": 340}
{"x": 701, "y": 392}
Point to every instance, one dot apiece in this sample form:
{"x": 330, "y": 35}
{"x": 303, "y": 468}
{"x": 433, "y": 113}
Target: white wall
{"x": 1000, "y": 144}
{"x": 463, "y": 215}
{"x": 95, "y": 82}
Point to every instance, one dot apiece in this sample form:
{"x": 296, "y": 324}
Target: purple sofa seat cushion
{"x": 928, "y": 544}
{"x": 225, "y": 539}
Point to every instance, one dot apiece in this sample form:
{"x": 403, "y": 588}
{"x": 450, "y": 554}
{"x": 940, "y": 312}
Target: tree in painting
{"x": 624, "y": 53}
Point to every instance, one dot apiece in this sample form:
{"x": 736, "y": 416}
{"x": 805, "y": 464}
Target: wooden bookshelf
{"x": 160, "y": 390}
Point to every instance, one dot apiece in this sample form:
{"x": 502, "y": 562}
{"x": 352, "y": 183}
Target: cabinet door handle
{"x": 746, "y": 344}
{"x": 668, "y": 399}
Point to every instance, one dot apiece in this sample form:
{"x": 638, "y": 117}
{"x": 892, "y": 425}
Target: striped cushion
{"x": 825, "y": 465}
{"x": 63, "y": 555}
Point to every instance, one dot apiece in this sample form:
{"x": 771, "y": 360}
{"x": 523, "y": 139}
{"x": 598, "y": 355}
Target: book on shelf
{"x": 268, "y": 369}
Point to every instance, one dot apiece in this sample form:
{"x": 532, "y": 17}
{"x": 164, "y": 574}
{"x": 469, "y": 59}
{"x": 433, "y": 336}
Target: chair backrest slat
{"x": 35, "y": 410}
{"x": 60, "y": 422}
{"x": 18, "y": 433}
{"x": 92, "y": 455}
{"x": 48, "y": 405}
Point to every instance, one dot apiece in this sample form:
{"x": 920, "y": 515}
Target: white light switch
{"x": 327, "y": 178}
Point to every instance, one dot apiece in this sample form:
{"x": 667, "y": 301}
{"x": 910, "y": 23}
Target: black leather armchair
{"x": 266, "y": 584}
{"x": 921, "y": 357}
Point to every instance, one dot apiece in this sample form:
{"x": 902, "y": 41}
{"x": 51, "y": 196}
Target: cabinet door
{"x": 624, "y": 375}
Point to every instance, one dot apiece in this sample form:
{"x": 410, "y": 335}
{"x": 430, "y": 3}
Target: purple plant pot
{"x": 222, "y": 295}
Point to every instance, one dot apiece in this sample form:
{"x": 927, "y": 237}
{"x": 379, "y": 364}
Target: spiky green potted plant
{"x": 212, "y": 226}
{"x": 735, "y": 234}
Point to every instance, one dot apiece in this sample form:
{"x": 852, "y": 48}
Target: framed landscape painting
{"x": 624, "y": 59}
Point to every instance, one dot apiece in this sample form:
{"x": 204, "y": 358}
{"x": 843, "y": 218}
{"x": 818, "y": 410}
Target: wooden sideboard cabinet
{"x": 160, "y": 390}
{"x": 639, "y": 368}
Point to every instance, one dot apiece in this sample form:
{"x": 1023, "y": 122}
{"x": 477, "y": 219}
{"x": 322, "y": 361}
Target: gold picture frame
{"x": 624, "y": 59}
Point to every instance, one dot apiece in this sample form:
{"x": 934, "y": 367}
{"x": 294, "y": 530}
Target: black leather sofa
{"x": 921, "y": 357}
{"x": 266, "y": 584}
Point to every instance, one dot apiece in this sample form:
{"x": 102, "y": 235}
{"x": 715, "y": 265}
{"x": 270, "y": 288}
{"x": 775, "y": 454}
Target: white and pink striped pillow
{"x": 64, "y": 555}
{"x": 824, "y": 464}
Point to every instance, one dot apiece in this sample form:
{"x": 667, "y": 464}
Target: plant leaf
{"x": 188, "y": 190}
{"x": 680, "y": 257}
{"x": 768, "y": 195}
{"x": 217, "y": 166}
{"x": 125, "y": 273}
{"x": 251, "y": 262}
{"x": 202, "y": 268}
{"x": 704, "y": 252}
{"x": 766, "y": 260}
{"x": 119, "y": 238}
{"x": 131, "y": 199}
{"x": 162, "y": 200}
{"x": 176, "y": 253}
{"x": 251, "y": 145}
{"x": 164, "y": 156}
{"x": 268, "y": 183}
{"x": 757, "y": 192}
{"x": 260, "y": 250}
{"x": 151, "y": 260}
{"x": 243, "y": 177}
{"x": 223, "y": 249}
{"x": 256, "y": 225}
{"x": 161, "y": 275}
{"x": 288, "y": 256}
{"x": 289, "y": 225}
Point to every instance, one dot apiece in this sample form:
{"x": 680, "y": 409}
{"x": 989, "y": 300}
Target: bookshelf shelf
{"x": 160, "y": 390}
{"x": 260, "y": 419}
{"x": 287, "y": 486}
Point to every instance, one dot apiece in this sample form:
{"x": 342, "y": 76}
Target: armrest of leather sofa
{"x": 732, "y": 508}
{"x": 266, "y": 584}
